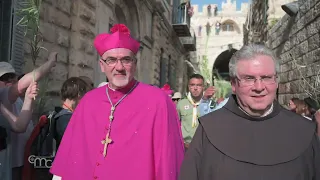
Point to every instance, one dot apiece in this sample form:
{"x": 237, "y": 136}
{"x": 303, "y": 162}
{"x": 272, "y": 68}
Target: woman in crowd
{"x": 292, "y": 105}
{"x": 302, "y": 109}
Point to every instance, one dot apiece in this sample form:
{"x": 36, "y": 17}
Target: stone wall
{"x": 69, "y": 27}
{"x": 296, "y": 41}
{"x": 166, "y": 41}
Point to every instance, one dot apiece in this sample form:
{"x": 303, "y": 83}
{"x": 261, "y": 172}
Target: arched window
{"x": 228, "y": 26}
{"x": 121, "y": 18}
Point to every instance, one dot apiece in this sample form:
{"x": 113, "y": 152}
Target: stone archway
{"x": 121, "y": 18}
{"x": 126, "y": 12}
{"x": 221, "y": 64}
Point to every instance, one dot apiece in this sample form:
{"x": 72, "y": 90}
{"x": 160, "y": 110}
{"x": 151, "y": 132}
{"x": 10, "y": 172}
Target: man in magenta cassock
{"x": 125, "y": 130}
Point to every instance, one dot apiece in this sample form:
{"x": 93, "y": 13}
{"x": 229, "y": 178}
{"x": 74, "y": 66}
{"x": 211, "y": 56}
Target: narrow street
{"x": 52, "y": 56}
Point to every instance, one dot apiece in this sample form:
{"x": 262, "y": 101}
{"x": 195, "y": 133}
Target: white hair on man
{"x": 249, "y": 52}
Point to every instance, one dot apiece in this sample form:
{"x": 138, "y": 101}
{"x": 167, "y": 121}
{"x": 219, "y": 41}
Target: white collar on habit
{"x": 264, "y": 115}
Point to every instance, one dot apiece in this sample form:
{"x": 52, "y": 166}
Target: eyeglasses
{"x": 195, "y": 85}
{"x": 250, "y": 80}
{"x": 125, "y": 61}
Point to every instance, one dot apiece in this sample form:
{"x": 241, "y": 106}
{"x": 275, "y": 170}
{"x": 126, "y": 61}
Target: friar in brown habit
{"x": 252, "y": 137}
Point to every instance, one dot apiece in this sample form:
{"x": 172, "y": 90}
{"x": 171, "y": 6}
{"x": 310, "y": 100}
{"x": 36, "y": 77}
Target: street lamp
{"x": 291, "y": 8}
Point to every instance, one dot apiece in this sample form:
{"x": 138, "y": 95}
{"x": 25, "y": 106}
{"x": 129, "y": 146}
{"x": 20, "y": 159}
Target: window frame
{"x": 9, "y": 46}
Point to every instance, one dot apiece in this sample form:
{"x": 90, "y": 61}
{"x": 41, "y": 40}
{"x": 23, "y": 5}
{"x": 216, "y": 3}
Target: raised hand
{"x": 53, "y": 58}
{"x": 32, "y": 91}
{"x": 209, "y": 92}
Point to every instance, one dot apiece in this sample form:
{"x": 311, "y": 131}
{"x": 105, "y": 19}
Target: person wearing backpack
{"x": 73, "y": 89}
{"x": 46, "y": 137}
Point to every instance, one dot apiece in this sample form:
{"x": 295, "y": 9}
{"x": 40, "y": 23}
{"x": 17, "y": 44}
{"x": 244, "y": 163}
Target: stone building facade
{"x": 69, "y": 27}
{"x": 217, "y": 42}
{"x": 262, "y": 15}
{"x": 296, "y": 41}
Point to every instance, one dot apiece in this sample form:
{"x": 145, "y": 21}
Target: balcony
{"x": 189, "y": 43}
{"x": 181, "y": 21}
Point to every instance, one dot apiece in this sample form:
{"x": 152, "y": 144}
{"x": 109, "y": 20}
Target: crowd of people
{"x": 125, "y": 129}
{"x": 306, "y": 107}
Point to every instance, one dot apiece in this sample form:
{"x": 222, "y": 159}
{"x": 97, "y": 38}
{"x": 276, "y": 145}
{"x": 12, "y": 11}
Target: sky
{"x": 219, "y": 2}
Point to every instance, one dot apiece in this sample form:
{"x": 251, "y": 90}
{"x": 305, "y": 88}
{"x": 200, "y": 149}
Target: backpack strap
{"x": 52, "y": 131}
{"x": 51, "y": 121}
{"x": 45, "y": 143}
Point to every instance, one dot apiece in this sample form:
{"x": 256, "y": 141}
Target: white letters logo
{"x": 40, "y": 161}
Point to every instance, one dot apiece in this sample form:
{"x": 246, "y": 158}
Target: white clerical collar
{"x": 264, "y": 115}
{"x": 110, "y": 87}
{"x": 130, "y": 84}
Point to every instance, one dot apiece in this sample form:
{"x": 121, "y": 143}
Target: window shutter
{"x": 5, "y": 30}
{"x": 172, "y": 75}
{"x": 17, "y": 49}
{"x": 163, "y": 71}
{"x": 174, "y": 82}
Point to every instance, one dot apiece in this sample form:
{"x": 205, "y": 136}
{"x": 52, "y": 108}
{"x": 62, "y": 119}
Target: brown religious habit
{"x": 230, "y": 145}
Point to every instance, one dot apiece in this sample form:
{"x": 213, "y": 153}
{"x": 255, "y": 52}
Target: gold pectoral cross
{"x": 106, "y": 142}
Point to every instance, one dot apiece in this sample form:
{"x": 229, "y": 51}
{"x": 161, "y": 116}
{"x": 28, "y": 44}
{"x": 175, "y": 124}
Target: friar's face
{"x": 255, "y": 84}
{"x": 119, "y": 65}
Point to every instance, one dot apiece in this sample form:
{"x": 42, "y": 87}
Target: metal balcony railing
{"x": 181, "y": 20}
{"x": 180, "y": 15}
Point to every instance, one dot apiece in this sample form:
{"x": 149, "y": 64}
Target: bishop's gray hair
{"x": 249, "y": 52}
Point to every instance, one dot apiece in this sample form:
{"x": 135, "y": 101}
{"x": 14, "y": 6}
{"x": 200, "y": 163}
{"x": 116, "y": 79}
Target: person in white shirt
{"x": 17, "y": 130}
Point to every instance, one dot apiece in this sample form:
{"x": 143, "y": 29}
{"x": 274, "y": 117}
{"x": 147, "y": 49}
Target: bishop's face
{"x": 119, "y": 65}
